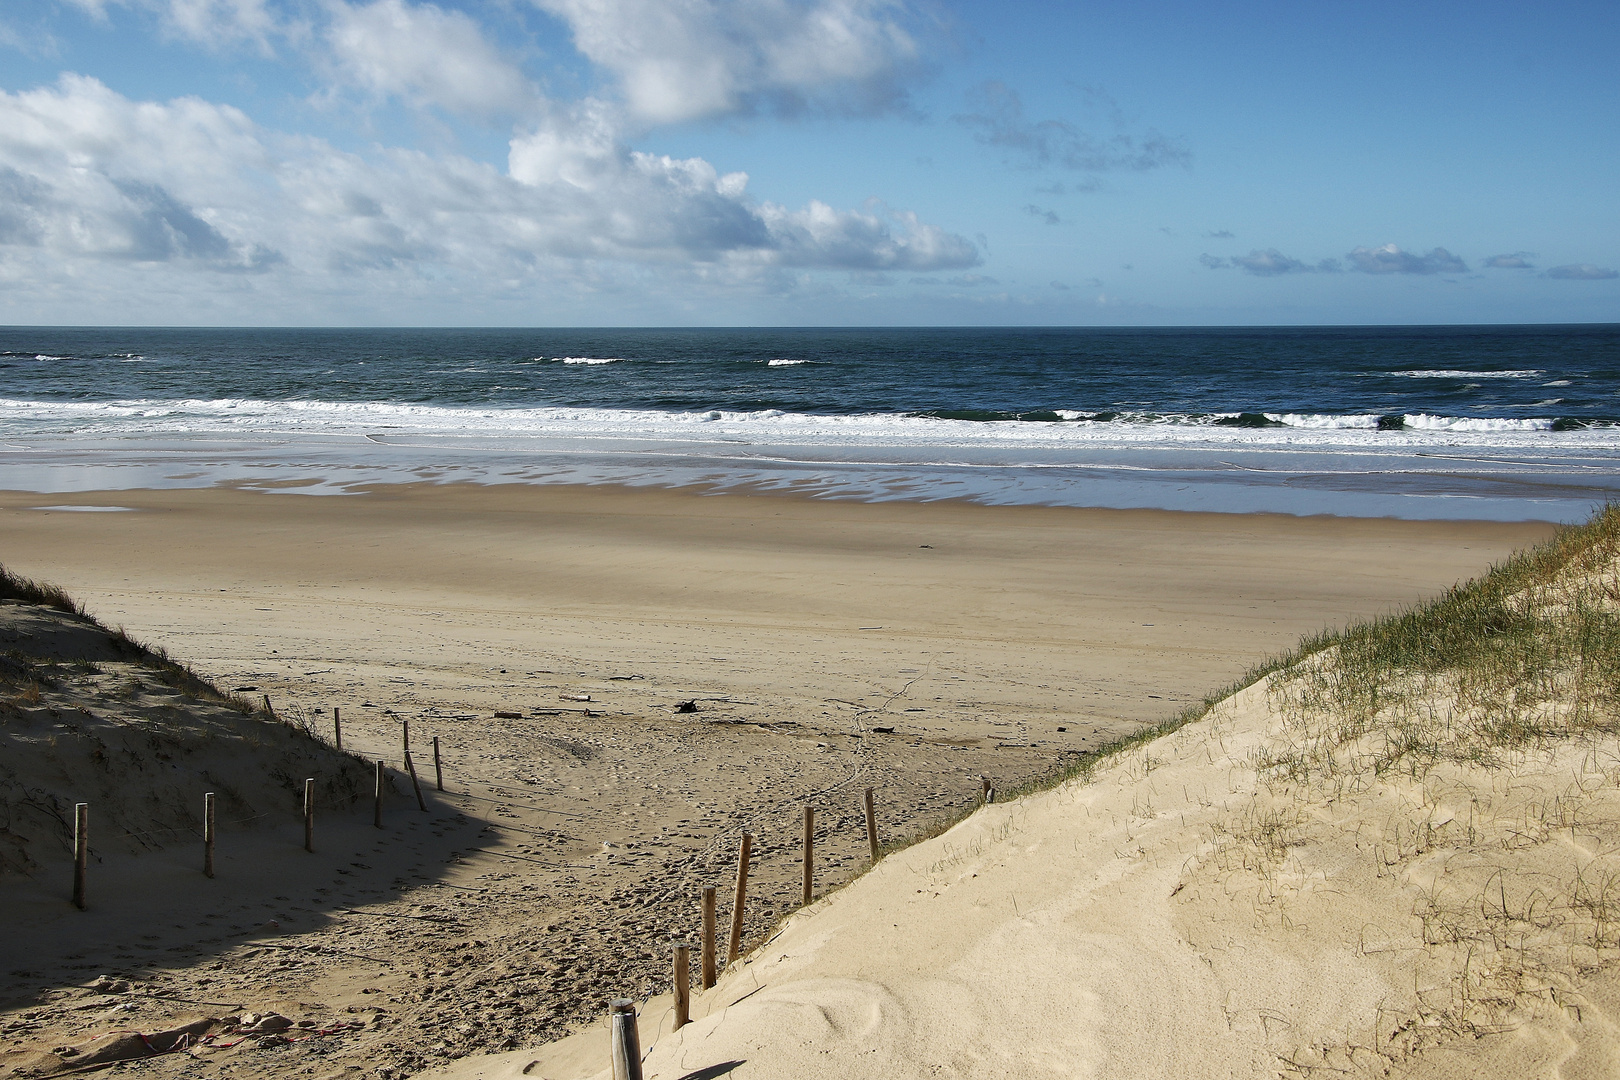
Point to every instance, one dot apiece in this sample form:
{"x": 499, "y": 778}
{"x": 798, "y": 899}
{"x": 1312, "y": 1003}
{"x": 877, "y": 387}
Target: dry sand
{"x": 1179, "y": 915}
{"x": 799, "y": 628}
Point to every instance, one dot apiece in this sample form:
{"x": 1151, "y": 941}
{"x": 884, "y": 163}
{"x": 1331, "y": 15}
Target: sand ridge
{"x": 1153, "y": 922}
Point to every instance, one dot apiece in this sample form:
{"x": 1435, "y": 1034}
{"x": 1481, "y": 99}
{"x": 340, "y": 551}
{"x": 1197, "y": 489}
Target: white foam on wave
{"x": 1426, "y": 422}
{"x": 769, "y": 428}
{"x": 785, "y": 363}
{"x": 1455, "y": 373}
{"x": 1327, "y": 421}
{"x": 590, "y": 359}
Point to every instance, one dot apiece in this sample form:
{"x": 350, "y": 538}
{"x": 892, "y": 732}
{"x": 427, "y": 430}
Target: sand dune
{"x": 828, "y": 647}
{"x": 1289, "y": 886}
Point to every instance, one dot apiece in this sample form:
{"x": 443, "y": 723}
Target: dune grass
{"x": 154, "y": 658}
{"x": 1531, "y": 649}
{"x": 16, "y": 587}
{"x": 1528, "y": 653}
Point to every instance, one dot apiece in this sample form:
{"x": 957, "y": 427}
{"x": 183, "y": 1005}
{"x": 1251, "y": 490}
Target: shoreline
{"x": 1443, "y": 482}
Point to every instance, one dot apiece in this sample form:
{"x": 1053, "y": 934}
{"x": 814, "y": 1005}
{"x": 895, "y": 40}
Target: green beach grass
{"x": 1530, "y": 649}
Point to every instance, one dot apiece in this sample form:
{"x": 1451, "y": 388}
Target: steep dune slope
{"x": 87, "y": 715}
{"x": 1398, "y": 854}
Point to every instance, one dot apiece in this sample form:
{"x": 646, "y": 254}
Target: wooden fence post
{"x": 81, "y": 850}
{"x": 987, "y": 794}
{"x": 734, "y": 950}
{"x": 337, "y": 726}
{"x": 683, "y": 984}
{"x": 410, "y": 767}
{"x": 268, "y": 709}
{"x": 309, "y": 814}
{"x": 706, "y": 959}
{"x": 626, "y": 1046}
{"x": 871, "y": 827}
{"x": 376, "y": 817}
{"x": 809, "y": 849}
{"x": 405, "y": 737}
{"x": 438, "y": 767}
{"x": 208, "y": 834}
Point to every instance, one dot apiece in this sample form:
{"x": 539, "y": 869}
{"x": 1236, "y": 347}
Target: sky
{"x": 807, "y": 162}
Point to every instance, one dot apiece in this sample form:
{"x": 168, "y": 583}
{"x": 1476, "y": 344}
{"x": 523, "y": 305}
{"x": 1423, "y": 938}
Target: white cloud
{"x": 1583, "y": 272}
{"x": 220, "y": 22}
{"x": 1269, "y": 263}
{"x": 197, "y": 195}
{"x": 660, "y": 207}
{"x": 998, "y": 120}
{"x": 680, "y": 60}
{"x": 427, "y": 56}
{"x": 214, "y": 23}
{"x": 1390, "y": 259}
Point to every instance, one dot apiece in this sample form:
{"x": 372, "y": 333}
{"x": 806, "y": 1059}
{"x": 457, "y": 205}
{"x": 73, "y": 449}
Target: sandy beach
{"x": 824, "y": 647}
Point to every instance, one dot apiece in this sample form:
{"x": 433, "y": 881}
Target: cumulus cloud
{"x": 1518, "y": 260}
{"x": 696, "y": 58}
{"x": 425, "y": 55}
{"x": 1049, "y": 217}
{"x": 94, "y": 175}
{"x": 214, "y": 23}
{"x": 1390, "y": 259}
{"x": 1268, "y": 263}
{"x": 1582, "y": 272}
{"x": 88, "y": 176}
{"x": 998, "y": 120}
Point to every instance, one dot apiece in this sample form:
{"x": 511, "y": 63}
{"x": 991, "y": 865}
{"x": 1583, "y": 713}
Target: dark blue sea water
{"x": 1518, "y": 373}
{"x": 1417, "y": 421}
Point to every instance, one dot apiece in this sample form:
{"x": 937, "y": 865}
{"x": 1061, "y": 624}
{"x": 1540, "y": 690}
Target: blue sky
{"x": 795, "y": 162}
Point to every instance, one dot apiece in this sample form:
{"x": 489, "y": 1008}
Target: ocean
{"x": 1498, "y": 422}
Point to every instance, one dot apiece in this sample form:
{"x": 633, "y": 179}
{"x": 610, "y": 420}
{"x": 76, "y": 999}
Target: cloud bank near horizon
{"x": 96, "y": 182}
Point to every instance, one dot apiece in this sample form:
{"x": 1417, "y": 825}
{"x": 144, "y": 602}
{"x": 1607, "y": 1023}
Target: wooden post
{"x": 376, "y": 818}
{"x": 809, "y": 848}
{"x": 337, "y": 727}
{"x": 438, "y": 766}
{"x": 707, "y": 956}
{"x": 309, "y": 814}
{"x": 405, "y": 737}
{"x": 410, "y": 767}
{"x": 871, "y": 826}
{"x": 267, "y": 707}
{"x": 683, "y": 984}
{"x": 987, "y": 794}
{"x": 626, "y": 1048}
{"x": 734, "y": 950}
{"x": 208, "y": 834}
{"x": 81, "y": 850}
